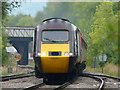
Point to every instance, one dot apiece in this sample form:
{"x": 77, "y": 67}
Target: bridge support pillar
{"x": 22, "y": 45}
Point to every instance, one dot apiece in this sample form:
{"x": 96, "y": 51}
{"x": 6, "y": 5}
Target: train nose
{"x": 55, "y": 59}
{"x": 55, "y": 64}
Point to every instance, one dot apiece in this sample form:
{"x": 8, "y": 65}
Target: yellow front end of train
{"x": 55, "y": 57}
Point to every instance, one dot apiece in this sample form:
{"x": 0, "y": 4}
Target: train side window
{"x": 78, "y": 41}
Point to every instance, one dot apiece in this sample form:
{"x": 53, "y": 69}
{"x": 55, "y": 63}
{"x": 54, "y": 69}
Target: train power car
{"x": 59, "y": 49}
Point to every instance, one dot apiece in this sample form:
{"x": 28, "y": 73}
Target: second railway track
{"x": 16, "y": 76}
{"x": 105, "y": 82}
{"x": 101, "y": 85}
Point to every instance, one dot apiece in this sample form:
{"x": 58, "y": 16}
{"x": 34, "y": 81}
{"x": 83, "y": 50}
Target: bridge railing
{"x": 20, "y": 31}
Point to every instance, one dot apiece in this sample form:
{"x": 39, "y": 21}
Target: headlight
{"x": 39, "y": 54}
{"x": 66, "y": 53}
{"x": 43, "y": 54}
{"x": 71, "y": 54}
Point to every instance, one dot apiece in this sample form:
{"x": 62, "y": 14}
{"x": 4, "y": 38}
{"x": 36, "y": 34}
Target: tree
{"x": 12, "y": 20}
{"x": 26, "y": 21}
{"x": 104, "y": 35}
{"x": 56, "y": 9}
{"x": 83, "y": 16}
{"x": 6, "y": 8}
{"x": 39, "y": 17}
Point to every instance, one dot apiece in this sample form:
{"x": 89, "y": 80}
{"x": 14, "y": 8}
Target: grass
{"x": 109, "y": 69}
{"x": 15, "y": 69}
{"x": 4, "y": 70}
{"x": 3, "y": 73}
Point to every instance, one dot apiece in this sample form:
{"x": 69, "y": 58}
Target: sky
{"x": 29, "y": 8}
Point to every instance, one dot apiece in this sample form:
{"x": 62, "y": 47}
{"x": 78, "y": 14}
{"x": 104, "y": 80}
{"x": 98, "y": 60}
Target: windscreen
{"x": 55, "y": 35}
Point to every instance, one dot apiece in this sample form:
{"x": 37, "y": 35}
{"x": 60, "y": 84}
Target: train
{"x": 59, "y": 50}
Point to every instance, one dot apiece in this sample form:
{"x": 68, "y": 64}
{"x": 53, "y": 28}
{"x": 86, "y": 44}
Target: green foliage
{"x": 6, "y": 8}
{"x": 56, "y": 9}
{"x": 39, "y": 17}
{"x": 20, "y": 20}
{"x": 101, "y": 64}
{"x": 5, "y": 55}
{"x": 0, "y": 51}
{"x": 104, "y": 35}
{"x": 83, "y": 14}
{"x": 13, "y": 19}
{"x": 26, "y": 21}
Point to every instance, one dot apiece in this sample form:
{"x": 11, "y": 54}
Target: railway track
{"x": 101, "y": 78}
{"x": 20, "y": 75}
{"x": 60, "y": 87}
{"x": 66, "y": 84}
{"x": 16, "y": 76}
{"x": 103, "y": 75}
{"x": 97, "y": 79}
{"x": 26, "y": 66}
{"x": 35, "y": 86}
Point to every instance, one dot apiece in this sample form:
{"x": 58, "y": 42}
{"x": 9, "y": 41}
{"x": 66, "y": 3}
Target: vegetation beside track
{"x": 109, "y": 69}
{"x": 15, "y": 70}
{"x": 32, "y": 64}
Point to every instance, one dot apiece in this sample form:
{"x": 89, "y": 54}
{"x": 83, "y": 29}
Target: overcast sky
{"x": 29, "y": 8}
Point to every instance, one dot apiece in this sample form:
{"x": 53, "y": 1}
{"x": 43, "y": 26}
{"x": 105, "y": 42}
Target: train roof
{"x": 55, "y": 18}
{"x": 57, "y": 23}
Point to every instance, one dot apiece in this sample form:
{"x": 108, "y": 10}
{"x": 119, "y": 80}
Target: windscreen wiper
{"x": 49, "y": 40}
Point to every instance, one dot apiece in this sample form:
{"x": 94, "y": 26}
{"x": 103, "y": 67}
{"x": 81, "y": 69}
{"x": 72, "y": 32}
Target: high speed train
{"x": 59, "y": 50}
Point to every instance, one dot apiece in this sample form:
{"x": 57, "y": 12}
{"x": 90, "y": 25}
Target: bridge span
{"x": 21, "y": 37}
